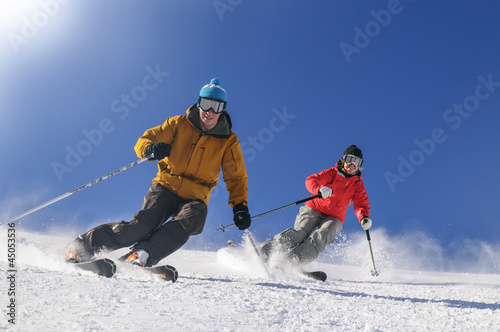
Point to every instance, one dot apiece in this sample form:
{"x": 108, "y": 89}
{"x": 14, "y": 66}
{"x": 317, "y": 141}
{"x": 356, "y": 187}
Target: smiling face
{"x": 350, "y": 168}
{"x": 208, "y": 119}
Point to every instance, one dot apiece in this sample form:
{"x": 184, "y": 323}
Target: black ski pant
{"x": 148, "y": 229}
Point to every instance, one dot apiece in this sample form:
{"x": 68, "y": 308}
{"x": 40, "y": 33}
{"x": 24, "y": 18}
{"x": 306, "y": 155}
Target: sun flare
{"x": 13, "y": 11}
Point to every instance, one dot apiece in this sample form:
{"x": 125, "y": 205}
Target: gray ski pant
{"x": 304, "y": 245}
{"x": 148, "y": 230}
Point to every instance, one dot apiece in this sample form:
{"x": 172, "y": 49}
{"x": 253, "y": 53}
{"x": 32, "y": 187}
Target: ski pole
{"x": 257, "y": 251}
{"x": 374, "y": 271}
{"x": 223, "y": 228}
{"x": 102, "y": 178}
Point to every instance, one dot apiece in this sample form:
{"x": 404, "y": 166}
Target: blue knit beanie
{"x": 214, "y": 90}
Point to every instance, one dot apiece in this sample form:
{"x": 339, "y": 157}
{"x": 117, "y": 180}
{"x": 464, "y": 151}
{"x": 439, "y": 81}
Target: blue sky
{"x": 415, "y": 84}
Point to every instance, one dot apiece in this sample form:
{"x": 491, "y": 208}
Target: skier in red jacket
{"x": 339, "y": 186}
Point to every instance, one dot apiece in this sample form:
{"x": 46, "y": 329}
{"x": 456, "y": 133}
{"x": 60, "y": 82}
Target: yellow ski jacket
{"x": 193, "y": 167}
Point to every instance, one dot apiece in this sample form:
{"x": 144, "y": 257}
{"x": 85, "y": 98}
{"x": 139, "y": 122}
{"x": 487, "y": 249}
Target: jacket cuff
{"x": 240, "y": 207}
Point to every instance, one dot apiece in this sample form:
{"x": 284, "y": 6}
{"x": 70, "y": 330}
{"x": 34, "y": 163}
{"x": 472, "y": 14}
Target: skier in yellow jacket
{"x": 191, "y": 150}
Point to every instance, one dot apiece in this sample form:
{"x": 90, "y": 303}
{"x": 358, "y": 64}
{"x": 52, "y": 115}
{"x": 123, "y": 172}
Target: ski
{"x": 316, "y": 275}
{"x": 107, "y": 268}
{"x": 164, "y": 272}
{"x": 103, "y": 267}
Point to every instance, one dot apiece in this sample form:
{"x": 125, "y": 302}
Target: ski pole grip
{"x": 368, "y": 235}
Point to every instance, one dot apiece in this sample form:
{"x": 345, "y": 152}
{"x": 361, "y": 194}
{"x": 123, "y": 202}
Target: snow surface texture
{"x": 228, "y": 290}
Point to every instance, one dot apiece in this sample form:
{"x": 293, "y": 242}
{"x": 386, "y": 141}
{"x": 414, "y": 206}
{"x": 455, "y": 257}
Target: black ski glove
{"x": 158, "y": 151}
{"x": 241, "y": 216}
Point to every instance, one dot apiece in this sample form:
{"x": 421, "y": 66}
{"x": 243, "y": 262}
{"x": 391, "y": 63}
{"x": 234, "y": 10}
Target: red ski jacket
{"x": 346, "y": 190}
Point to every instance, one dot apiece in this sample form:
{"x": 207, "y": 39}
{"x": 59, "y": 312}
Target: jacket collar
{"x": 221, "y": 130}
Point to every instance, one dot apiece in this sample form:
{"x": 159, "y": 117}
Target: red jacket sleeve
{"x": 360, "y": 201}
{"x": 316, "y": 181}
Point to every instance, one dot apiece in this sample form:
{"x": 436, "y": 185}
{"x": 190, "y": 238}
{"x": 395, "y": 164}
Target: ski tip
{"x": 103, "y": 267}
{"x": 169, "y": 273}
{"x": 113, "y": 267}
{"x": 316, "y": 275}
{"x": 175, "y": 273}
{"x": 110, "y": 271}
{"x": 164, "y": 272}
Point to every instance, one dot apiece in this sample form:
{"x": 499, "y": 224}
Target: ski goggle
{"x": 350, "y": 159}
{"x": 207, "y": 104}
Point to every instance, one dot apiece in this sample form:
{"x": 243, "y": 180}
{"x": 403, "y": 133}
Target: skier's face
{"x": 350, "y": 168}
{"x": 208, "y": 119}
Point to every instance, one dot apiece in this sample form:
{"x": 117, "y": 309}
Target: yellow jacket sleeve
{"x": 164, "y": 133}
{"x": 234, "y": 172}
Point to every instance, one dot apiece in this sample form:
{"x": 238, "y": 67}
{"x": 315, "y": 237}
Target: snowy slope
{"x": 221, "y": 292}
